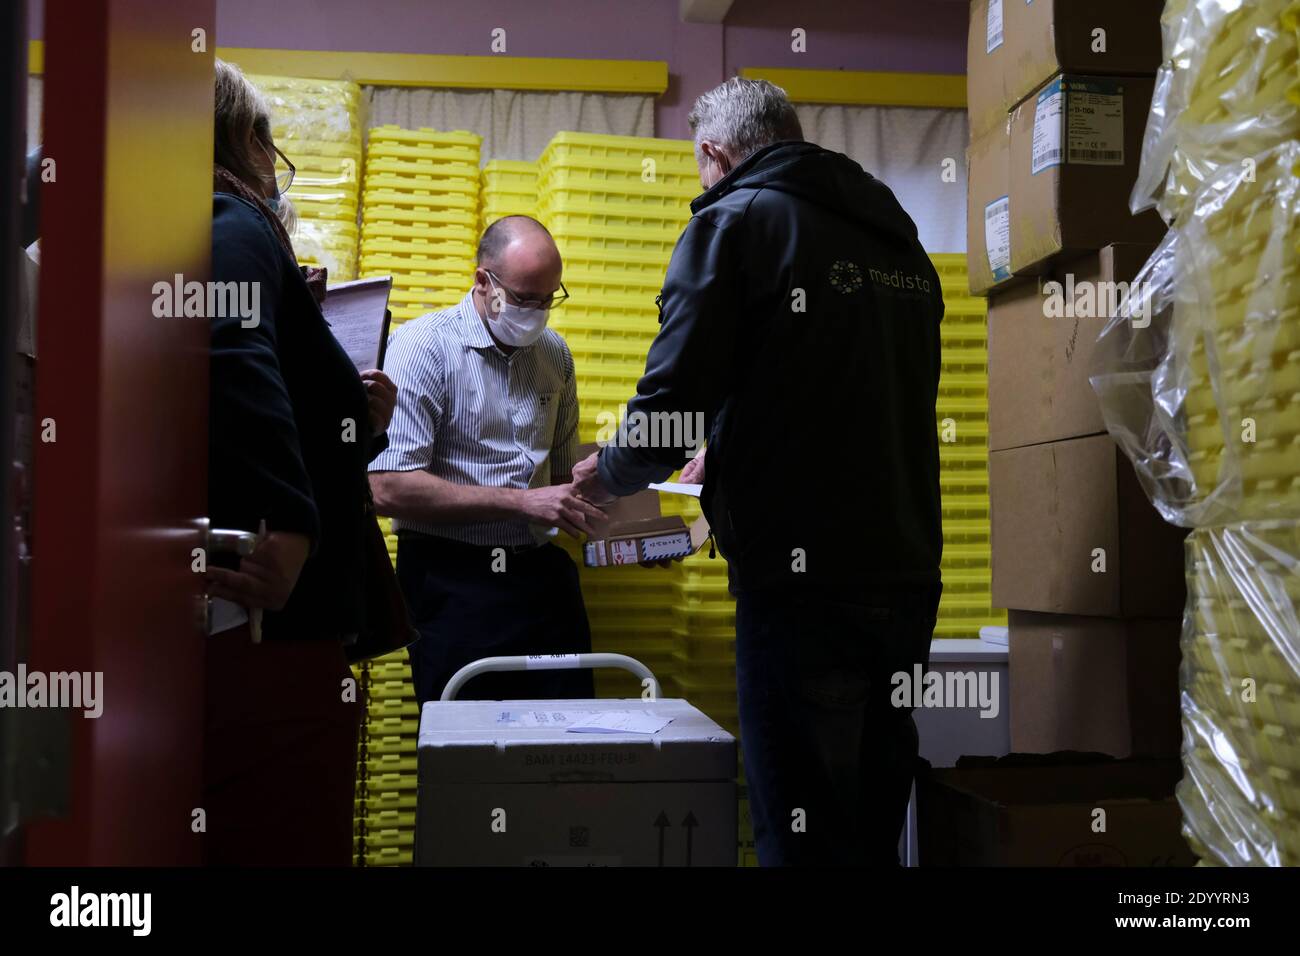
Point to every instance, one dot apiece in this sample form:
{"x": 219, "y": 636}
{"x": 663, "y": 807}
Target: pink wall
{"x": 925, "y": 36}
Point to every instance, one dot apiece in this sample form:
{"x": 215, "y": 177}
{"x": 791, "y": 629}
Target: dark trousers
{"x": 828, "y": 759}
{"x": 465, "y": 610}
{"x": 279, "y": 752}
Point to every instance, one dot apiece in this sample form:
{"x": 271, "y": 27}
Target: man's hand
{"x": 266, "y": 577}
{"x": 693, "y": 473}
{"x": 587, "y": 483}
{"x": 381, "y": 396}
{"x": 559, "y": 506}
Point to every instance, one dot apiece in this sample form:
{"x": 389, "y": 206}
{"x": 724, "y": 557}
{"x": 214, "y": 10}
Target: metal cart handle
{"x": 541, "y": 662}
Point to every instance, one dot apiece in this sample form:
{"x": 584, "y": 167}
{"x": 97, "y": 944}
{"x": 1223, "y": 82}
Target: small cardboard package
{"x": 1075, "y": 148}
{"x": 1094, "y": 684}
{"x": 1072, "y": 532}
{"x": 988, "y": 210}
{"x": 635, "y": 531}
{"x": 1041, "y": 338}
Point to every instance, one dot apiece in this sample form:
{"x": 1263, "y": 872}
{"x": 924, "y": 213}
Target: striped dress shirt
{"x": 472, "y": 415}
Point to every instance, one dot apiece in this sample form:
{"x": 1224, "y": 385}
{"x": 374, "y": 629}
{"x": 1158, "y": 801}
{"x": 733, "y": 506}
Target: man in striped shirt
{"x": 477, "y": 478}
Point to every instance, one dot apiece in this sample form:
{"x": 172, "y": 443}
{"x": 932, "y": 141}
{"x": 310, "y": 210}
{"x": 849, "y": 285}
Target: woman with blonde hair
{"x": 280, "y": 726}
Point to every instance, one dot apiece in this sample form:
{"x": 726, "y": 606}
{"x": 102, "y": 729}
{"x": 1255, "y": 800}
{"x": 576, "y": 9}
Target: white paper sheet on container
{"x": 357, "y": 313}
{"x": 621, "y": 722}
{"x": 587, "y": 721}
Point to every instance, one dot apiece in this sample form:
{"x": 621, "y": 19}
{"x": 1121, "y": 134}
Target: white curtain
{"x": 904, "y": 148}
{"x": 35, "y": 100}
{"x": 514, "y": 124}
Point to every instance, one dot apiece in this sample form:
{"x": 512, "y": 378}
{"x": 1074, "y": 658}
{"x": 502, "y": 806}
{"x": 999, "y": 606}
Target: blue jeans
{"x": 828, "y": 759}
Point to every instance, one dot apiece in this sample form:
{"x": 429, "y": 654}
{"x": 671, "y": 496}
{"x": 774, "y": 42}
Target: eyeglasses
{"x": 284, "y": 170}
{"x": 552, "y": 301}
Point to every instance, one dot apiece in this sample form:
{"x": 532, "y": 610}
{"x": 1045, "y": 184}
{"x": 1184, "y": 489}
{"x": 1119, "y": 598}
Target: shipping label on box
{"x": 993, "y": 34}
{"x": 986, "y": 58}
{"x": 989, "y": 211}
{"x": 997, "y": 238}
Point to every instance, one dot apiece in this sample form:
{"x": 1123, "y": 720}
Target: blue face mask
{"x": 273, "y": 201}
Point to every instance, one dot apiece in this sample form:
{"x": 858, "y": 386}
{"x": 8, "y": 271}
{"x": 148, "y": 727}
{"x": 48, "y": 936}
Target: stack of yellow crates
{"x": 509, "y": 189}
{"x": 419, "y": 216}
{"x": 1215, "y": 429}
{"x": 962, "y": 414}
{"x": 419, "y": 224}
{"x": 315, "y": 123}
{"x": 616, "y": 206}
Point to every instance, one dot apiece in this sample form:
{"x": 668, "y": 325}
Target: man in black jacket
{"x": 800, "y": 317}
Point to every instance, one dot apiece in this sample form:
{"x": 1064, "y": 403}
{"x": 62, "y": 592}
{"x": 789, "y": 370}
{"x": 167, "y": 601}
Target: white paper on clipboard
{"x": 357, "y": 313}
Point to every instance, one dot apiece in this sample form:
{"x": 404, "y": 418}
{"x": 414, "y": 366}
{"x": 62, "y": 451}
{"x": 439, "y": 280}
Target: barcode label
{"x": 993, "y": 27}
{"x": 1100, "y": 155}
{"x": 997, "y": 237}
{"x": 1095, "y": 122}
{"x": 1046, "y": 143}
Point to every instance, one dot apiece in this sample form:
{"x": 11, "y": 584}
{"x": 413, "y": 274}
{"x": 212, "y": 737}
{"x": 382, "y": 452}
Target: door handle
{"x": 220, "y": 541}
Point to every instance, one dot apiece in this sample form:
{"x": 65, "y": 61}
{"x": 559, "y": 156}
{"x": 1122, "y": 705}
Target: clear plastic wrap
{"x": 1221, "y": 94}
{"x": 1198, "y": 373}
{"x": 312, "y": 110}
{"x": 332, "y": 244}
{"x": 1240, "y": 680}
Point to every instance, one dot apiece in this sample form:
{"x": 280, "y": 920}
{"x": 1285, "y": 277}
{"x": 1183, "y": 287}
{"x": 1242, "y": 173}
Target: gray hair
{"x": 742, "y": 116}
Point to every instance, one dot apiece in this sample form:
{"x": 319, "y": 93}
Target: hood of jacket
{"x": 827, "y": 179}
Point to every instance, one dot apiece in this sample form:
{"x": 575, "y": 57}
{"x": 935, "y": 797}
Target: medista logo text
{"x": 900, "y": 281}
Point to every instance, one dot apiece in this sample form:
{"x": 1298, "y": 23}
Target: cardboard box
{"x": 1075, "y": 148}
{"x": 1046, "y": 37}
{"x": 1052, "y": 506}
{"x": 1016, "y": 812}
{"x": 988, "y": 210}
{"x": 1095, "y": 684}
{"x": 1013, "y": 47}
{"x": 635, "y": 531}
{"x": 497, "y": 792}
{"x": 1041, "y": 340}
{"x": 986, "y": 65}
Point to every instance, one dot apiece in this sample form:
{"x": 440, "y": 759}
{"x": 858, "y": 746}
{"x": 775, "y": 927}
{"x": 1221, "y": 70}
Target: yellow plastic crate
{"x": 411, "y": 214}
{"x": 453, "y": 173}
{"x": 424, "y": 136}
{"x": 426, "y": 232}
{"x": 605, "y": 147}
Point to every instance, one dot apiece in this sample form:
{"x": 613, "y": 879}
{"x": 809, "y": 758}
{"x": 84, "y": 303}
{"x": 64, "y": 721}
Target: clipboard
{"x": 357, "y": 314}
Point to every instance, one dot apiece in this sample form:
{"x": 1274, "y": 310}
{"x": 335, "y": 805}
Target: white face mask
{"x": 512, "y": 324}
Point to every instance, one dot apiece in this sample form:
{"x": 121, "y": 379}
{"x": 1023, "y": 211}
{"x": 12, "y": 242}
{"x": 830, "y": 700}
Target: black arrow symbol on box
{"x": 690, "y": 823}
{"x": 662, "y": 823}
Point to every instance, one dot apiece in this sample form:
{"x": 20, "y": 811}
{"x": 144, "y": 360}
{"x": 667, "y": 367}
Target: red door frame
{"x": 128, "y": 122}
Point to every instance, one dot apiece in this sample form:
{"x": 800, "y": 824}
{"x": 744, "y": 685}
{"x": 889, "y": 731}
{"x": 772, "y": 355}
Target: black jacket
{"x": 800, "y": 316}
{"x": 280, "y": 394}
